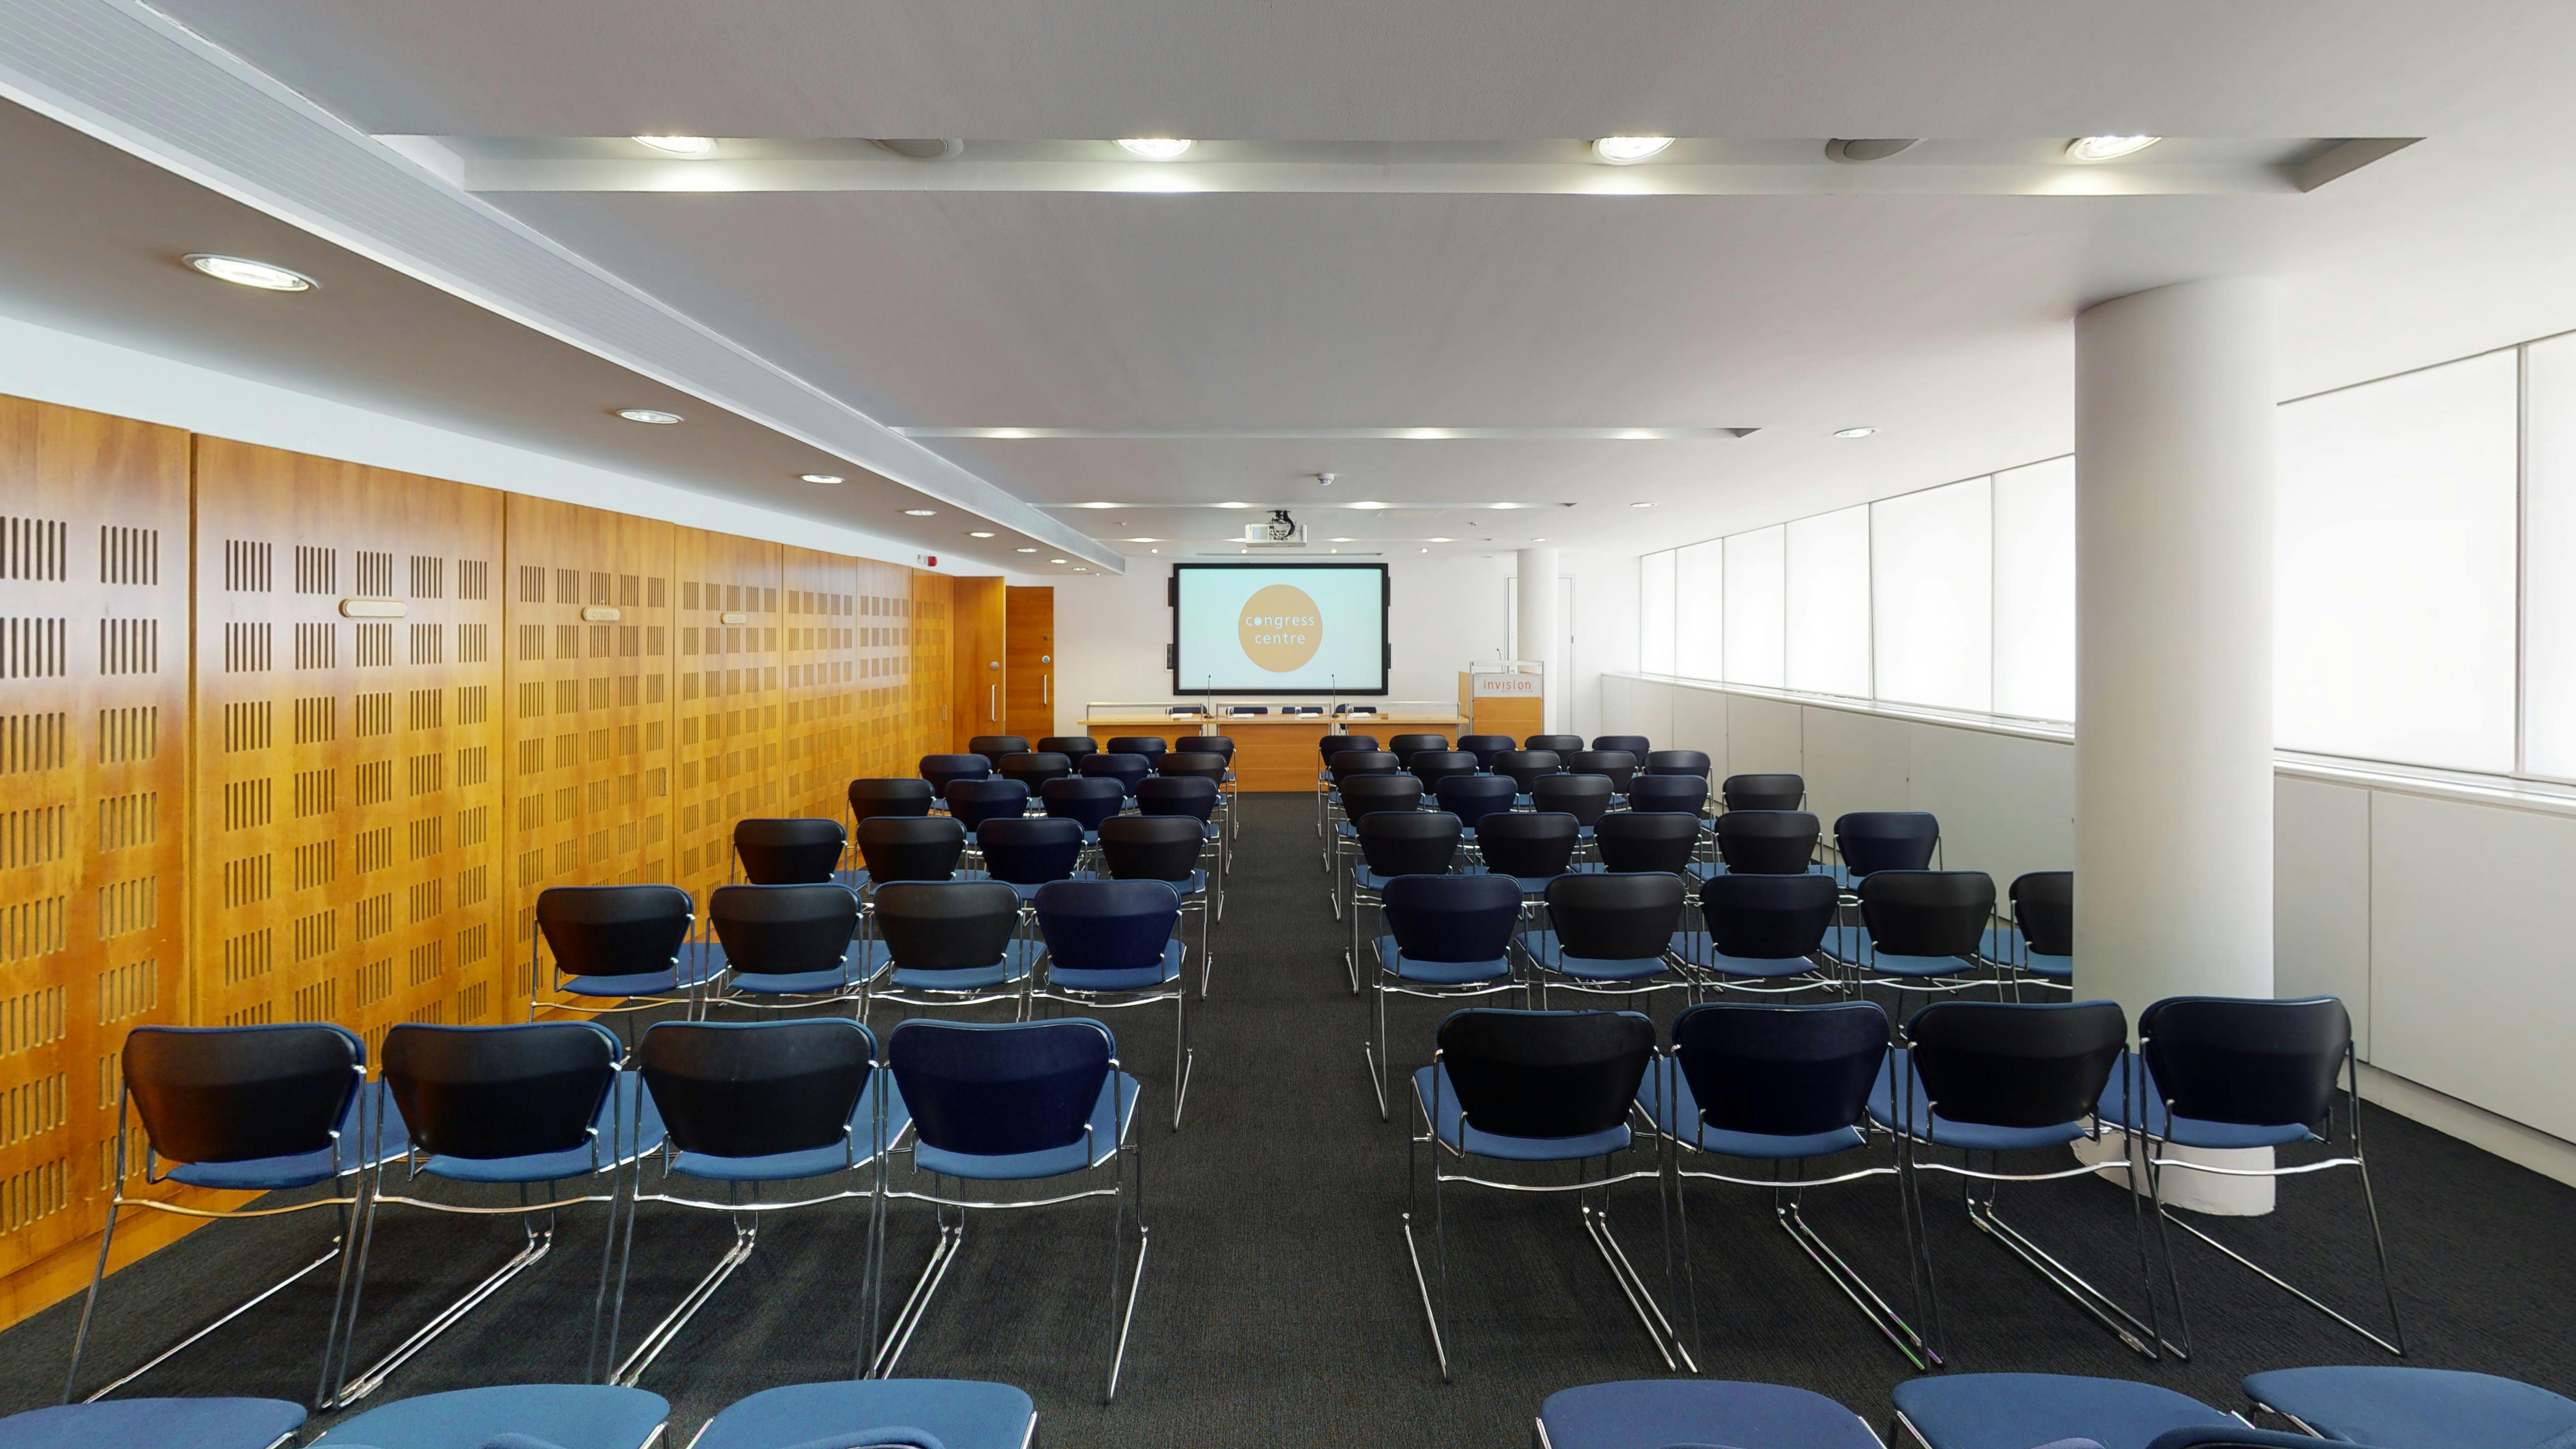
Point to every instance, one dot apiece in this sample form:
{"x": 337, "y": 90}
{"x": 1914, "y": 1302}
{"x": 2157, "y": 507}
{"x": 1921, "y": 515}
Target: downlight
{"x": 1629, "y": 150}
{"x": 1858, "y": 151}
{"x": 821, "y": 478}
{"x": 1156, "y": 148}
{"x": 677, "y": 145}
{"x": 244, "y": 272}
{"x": 655, "y": 416}
{"x": 2107, "y": 148}
{"x": 930, "y": 149}
{"x": 1855, "y": 432}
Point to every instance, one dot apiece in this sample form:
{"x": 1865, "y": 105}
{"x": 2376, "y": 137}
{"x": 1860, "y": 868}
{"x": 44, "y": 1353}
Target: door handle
{"x": 1046, "y": 689}
{"x": 992, "y": 695}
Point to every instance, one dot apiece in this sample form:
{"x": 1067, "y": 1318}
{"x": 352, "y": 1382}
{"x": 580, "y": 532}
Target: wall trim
{"x": 2551, "y": 1157}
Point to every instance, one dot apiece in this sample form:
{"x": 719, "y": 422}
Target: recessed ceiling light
{"x": 821, "y": 478}
{"x": 1641, "y": 505}
{"x": 1055, "y": 560}
{"x": 2107, "y": 148}
{"x": 1028, "y": 550}
{"x": 1155, "y": 148}
{"x": 655, "y": 416}
{"x": 1144, "y": 540}
{"x": 979, "y": 533}
{"x": 1081, "y": 569}
{"x": 243, "y": 272}
{"x": 1095, "y": 505}
{"x": 920, "y": 512}
{"x": 1426, "y": 550}
{"x": 1371, "y": 506}
{"x": 1507, "y": 505}
{"x": 1538, "y": 540}
{"x": 1854, "y": 432}
{"x": 678, "y": 145}
{"x": 1234, "y": 505}
{"x": 1444, "y": 540}
{"x": 1341, "y": 540}
{"x": 1629, "y": 150}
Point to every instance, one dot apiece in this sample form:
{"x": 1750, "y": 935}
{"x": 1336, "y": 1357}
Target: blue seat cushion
{"x": 576, "y": 1416}
{"x": 2189, "y": 1131}
{"x": 1117, "y": 1100}
{"x": 1136, "y": 978}
{"x": 1655, "y": 1413}
{"x": 854, "y": 967}
{"x": 275, "y": 1174}
{"x": 1883, "y": 1108}
{"x": 1888, "y": 963}
{"x": 154, "y": 1424}
{"x": 2017, "y": 1411}
{"x": 962, "y": 1413}
{"x": 1697, "y": 947}
{"x": 856, "y": 880}
{"x": 1704, "y": 869}
{"x": 1542, "y": 946}
{"x": 1683, "y": 1108}
{"x": 2413, "y": 1408}
{"x": 2054, "y": 968}
{"x": 611, "y": 1122}
{"x": 1017, "y": 959}
{"x": 1435, "y": 1079}
{"x": 1440, "y": 973}
{"x": 1028, "y": 890}
{"x": 811, "y": 1161}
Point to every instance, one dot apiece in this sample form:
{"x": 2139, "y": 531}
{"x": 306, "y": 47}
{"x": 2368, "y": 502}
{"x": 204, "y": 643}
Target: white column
{"x": 1537, "y": 585}
{"x": 2174, "y": 466}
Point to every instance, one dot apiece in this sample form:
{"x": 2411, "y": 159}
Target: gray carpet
{"x": 1278, "y": 1307}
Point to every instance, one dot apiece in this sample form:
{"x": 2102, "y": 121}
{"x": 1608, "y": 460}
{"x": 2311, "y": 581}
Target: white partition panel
{"x": 2321, "y": 896}
{"x": 2006, "y": 804}
{"x": 1756, "y": 603}
{"x": 1828, "y": 603}
{"x": 2035, "y": 590}
{"x": 2549, "y": 559}
{"x": 1699, "y": 723}
{"x": 1699, "y": 610}
{"x": 1932, "y": 596}
{"x": 1655, "y": 613}
{"x": 1855, "y": 761}
{"x": 1762, "y": 736}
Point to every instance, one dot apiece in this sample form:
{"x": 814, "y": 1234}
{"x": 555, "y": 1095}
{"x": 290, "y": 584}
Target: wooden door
{"x": 979, "y": 678}
{"x": 1029, "y": 661}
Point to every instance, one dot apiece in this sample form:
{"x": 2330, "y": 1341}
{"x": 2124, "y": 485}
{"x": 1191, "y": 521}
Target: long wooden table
{"x": 1271, "y": 751}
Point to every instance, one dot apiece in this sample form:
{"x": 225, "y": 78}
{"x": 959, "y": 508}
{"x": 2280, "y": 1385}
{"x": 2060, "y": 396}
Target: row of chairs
{"x": 1056, "y": 757}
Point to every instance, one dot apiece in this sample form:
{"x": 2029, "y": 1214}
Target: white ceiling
{"x": 1940, "y": 319}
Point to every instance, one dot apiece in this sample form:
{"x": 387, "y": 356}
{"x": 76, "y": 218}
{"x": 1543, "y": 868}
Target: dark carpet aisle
{"x": 1278, "y": 1307}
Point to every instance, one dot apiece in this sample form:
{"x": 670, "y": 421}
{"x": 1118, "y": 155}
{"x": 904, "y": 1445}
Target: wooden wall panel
{"x": 820, "y": 646}
{"x": 93, "y": 796}
{"x": 979, "y": 645}
{"x": 347, "y": 813}
{"x": 926, "y": 721}
{"x": 1028, "y": 662}
{"x": 731, "y": 715}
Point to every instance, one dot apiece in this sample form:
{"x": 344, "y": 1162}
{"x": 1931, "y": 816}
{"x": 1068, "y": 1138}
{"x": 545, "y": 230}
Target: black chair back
{"x": 1605, "y": 917}
{"x": 1364, "y": 795}
{"x": 1331, "y": 745}
{"x": 2043, "y": 905}
{"x": 972, "y": 802}
{"x": 1195, "y": 764}
{"x": 1764, "y": 792}
{"x": 1473, "y": 797}
{"x": 1151, "y": 847}
{"x": 1086, "y": 800}
{"x": 750, "y": 1089}
{"x": 1106, "y": 925}
{"x": 1526, "y": 766}
{"x": 1767, "y": 842}
{"x": 903, "y": 796}
{"x": 490, "y": 1092}
{"x": 1637, "y": 745}
{"x": 1345, "y": 764}
{"x": 1152, "y": 747}
{"x": 615, "y": 930}
{"x": 1120, "y": 766}
{"x": 1769, "y": 917}
{"x": 1927, "y": 912}
{"x": 994, "y": 747}
{"x": 2255, "y": 1063}
{"x": 1585, "y": 797}
{"x": 1218, "y": 745}
{"x": 2010, "y": 1064}
{"x": 1636, "y": 840}
{"x": 1433, "y": 766}
{"x": 1030, "y": 851}
{"x": 951, "y": 925}
{"x": 1194, "y": 796}
{"x": 241, "y": 1093}
{"x": 1410, "y": 842}
{"x": 1874, "y": 840}
{"x": 1034, "y": 768}
{"x": 1405, "y": 747}
{"x": 1485, "y": 747}
{"x": 1554, "y": 744}
{"x": 1527, "y": 844}
{"x": 1682, "y": 793}
{"x": 1677, "y": 762}
{"x": 1618, "y": 765}
{"x": 789, "y": 852}
{"x": 1072, "y": 747}
{"x": 1546, "y": 1073}
{"x": 996, "y": 1090}
{"x": 1778, "y": 1070}
{"x": 940, "y": 769}
{"x": 783, "y": 930}
{"x": 896, "y": 850}
{"x": 1452, "y": 917}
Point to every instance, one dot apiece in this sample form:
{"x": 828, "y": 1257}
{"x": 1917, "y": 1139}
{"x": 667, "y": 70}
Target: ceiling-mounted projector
{"x": 1280, "y": 531}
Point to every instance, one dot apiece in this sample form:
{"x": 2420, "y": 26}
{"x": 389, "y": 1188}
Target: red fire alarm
{"x": 934, "y": 560}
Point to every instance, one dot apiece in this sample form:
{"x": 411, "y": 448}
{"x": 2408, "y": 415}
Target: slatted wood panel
{"x": 93, "y": 790}
{"x": 979, "y": 645}
{"x": 590, "y": 696}
{"x": 926, "y": 644}
{"x": 1028, "y": 660}
{"x": 819, "y": 603}
{"x": 731, "y": 715}
{"x": 347, "y": 819}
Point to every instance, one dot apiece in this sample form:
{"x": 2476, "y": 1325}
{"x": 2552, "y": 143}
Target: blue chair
{"x": 972, "y": 802}
{"x": 1195, "y": 797}
{"x": 1359, "y": 796}
{"x": 1637, "y": 745}
{"x": 1921, "y": 930}
{"x": 953, "y": 1413}
{"x": 1128, "y": 770}
{"x": 615, "y": 950}
{"x": 1473, "y": 797}
{"x": 1527, "y": 767}
{"x": 902, "y": 797}
{"x": 788, "y": 852}
{"x": 156, "y": 1424}
{"x": 1028, "y": 855}
{"x": 519, "y": 1416}
{"x": 2060, "y": 1411}
{"x": 1558, "y": 744}
{"x": 1788, "y": 1086}
{"x": 541, "y": 1105}
{"x": 1163, "y": 848}
{"x": 1586, "y": 797}
{"x": 1108, "y": 945}
{"x": 2415, "y": 1408}
{"x": 943, "y": 944}
{"x": 940, "y": 769}
{"x": 1447, "y": 936}
{"x": 1016, "y": 1102}
{"x": 1611, "y": 935}
{"x": 1485, "y": 747}
{"x": 1668, "y": 1413}
{"x": 1534, "y": 1087}
{"x": 1151, "y": 748}
{"x": 1866, "y": 841}
{"x": 751, "y": 1105}
{"x": 249, "y": 1108}
{"x": 783, "y": 947}
{"x": 2043, "y": 936}
{"x": 994, "y": 747}
{"x": 1072, "y": 747}
{"x": 1034, "y": 769}
{"x": 1217, "y": 770}
{"x": 895, "y": 848}
{"x": 1687, "y": 794}
{"x": 1533, "y": 849}
{"x": 1325, "y": 748}
{"x": 1086, "y": 800}
{"x": 2216, "y": 1073}
{"x": 1763, "y": 792}
{"x": 1766, "y": 842}
{"x": 1765, "y": 934}
{"x": 1677, "y": 762}
{"x": 1394, "y": 843}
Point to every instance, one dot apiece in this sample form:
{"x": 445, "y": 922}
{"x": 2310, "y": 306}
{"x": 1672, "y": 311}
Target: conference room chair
{"x": 265, "y": 1109}
{"x": 947, "y": 944}
{"x": 1765, "y": 934}
{"x": 1876, "y": 840}
{"x": 2051, "y": 1411}
{"x": 1786, "y": 1086}
{"x": 1534, "y": 1087}
{"x": 1223, "y": 747}
{"x": 1196, "y": 798}
{"x": 783, "y": 947}
{"x": 1617, "y": 766}
{"x": 1405, "y": 747}
{"x": 1084, "y": 800}
{"x": 1767, "y": 842}
{"x": 1485, "y": 747}
{"x": 612, "y": 950}
{"x": 940, "y": 769}
{"x": 2043, "y": 928}
{"x": 1920, "y": 930}
{"x": 2406, "y": 1407}
{"x": 1987, "y": 1079}
{"x": 1585, "y": 797}
{"x": 1034, "y": 768}
{"x": 1648, "y": 840}
{"x": 1447, "y": 937}
{"x": 1326, "y": 748}
{"x": 1164, "y": 848}
{"x": 895, "y": 849}
{"x": 972, "y": 802}
{"x": 2219, "y": 1073}
{"x": 1554, "y": 744}
{"x": 1019, "y": 1102}
{"x": 1531, "y": 848}
{"x": 1433, "y": 766}
{"x": 1610, "y": 935}
{"x": 511, "y": 1416}
{"x": 1654, "y": 1413}
{"x": 1072, "y": 747}
{"x": 1151, "y": 747}
{"x": 156, "y": 1424}
{"x": 788, "y": 852}
{"x": 994, "y": 747}
{"x": 1032, "y": 853}
{"x": 1637, "y": 745}
{"x": 1473, "y": 797}
{"x": 1355, "y": 797}
{"x": 541, "y": 1107}
{"x": 1525, "y": 767}
{"x": 1676, "y": 762}
{"x": 747, "y": 1107}
{"x": 1676, "y": 795}
{"x": 1396, "y": 843}
{"x": 1128, "y": 770}
{"x": 893, "y": 797}
{"x": 1197, "y": 764}
{"x": 953, "y": 1413}
{"x": 1110, "y": 945}
{"x": 1763, "y": 792}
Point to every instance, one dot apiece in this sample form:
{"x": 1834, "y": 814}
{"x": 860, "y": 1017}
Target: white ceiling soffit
{"x": 2177, "y": 166}
{"x": 1392, "y": 435}
{"x": 132, "y": 77}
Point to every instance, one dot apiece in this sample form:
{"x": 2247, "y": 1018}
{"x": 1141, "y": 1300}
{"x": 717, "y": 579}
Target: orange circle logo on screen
{"x": 1280, "y": 628}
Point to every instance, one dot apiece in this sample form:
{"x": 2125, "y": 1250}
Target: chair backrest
{"x": 1194, "y": 796}
{"x": 1524, "y": 766}
{"x": 1767, "y": 842}
{"x": 926, "y": 849}
{"x": 1528, "y": 844}
{"x": 1331, "y": 745}
{"x": 1781, "y": 1070}
{"x": 940, "y": 769}
{"x": 1554, "y": 744}
{"x": 1151, "y": 847}
{"x": 615, "y": 930}
{"x": 1618, "y": 765}
{"x": 2043, "y": 906}
{"x": 749, "y": 1089}
{"x": 1927, "y": 912}
{"x": 1546, "y": 1073}
{"x": 1769, "y": 917}
{"x": 902, "y": 796}
{"x": 1348, "y": 763}
{"x": 1087, "y": 799}
{"x": 1124, "y": 768}
{"x": 1409, "y": 842}
{"x": 972, "y": 802}
{"x": 1152, "y": 747}
{"x": 1000, "y": 1089}
{"x": 783, "y": 930}
{"x": 489, "y": 1092}
{"x": 1405, "y": 747}
{"x": 1485, "y": 747}
{"x": 2252, "y": 1062}
{"x": 1473, "y": 797}
{"x": 1635, "y": 840}
{"x": 789, "y": 852}
{"x": 1452, "y": 917}
{"x": 1363, "y": 795}
{"x": 1194, "y": 764}
{"x": 241, "y": 1093}
{"x": 994, "y": 747}
{"x": 1585, "y": 797}
{"x": 1072, "y": 747}
{"x": 1034, "y": 768}
{"x": 1433, "y": 766}
{"x": 2015, "y": 1064}
{"x": 1683, "y": 793}
{"x": 1870, "y": 840}
{"x": 1637, "y": 745}
{"x": 1030, "y": 850}
{"x": 1219, "y": 745}
{"x": 1107, "y": 925}
{"x": 949, "y": 925}
{"x": 1764, "y": 792}
{"x": 1677, "y": 762}
{"x": 1622, "y": 917}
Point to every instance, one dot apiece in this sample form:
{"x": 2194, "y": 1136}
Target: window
{"x": 1932, "y": 595}
{"x": 2035, "y": 590}
{"x": 2549, "y": 559}
{"x": 1655, "y": 613}
{"x": 1828, "y": 603}
{"x": 1699, "y": 594}
{"x": 1755, "y": 626}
